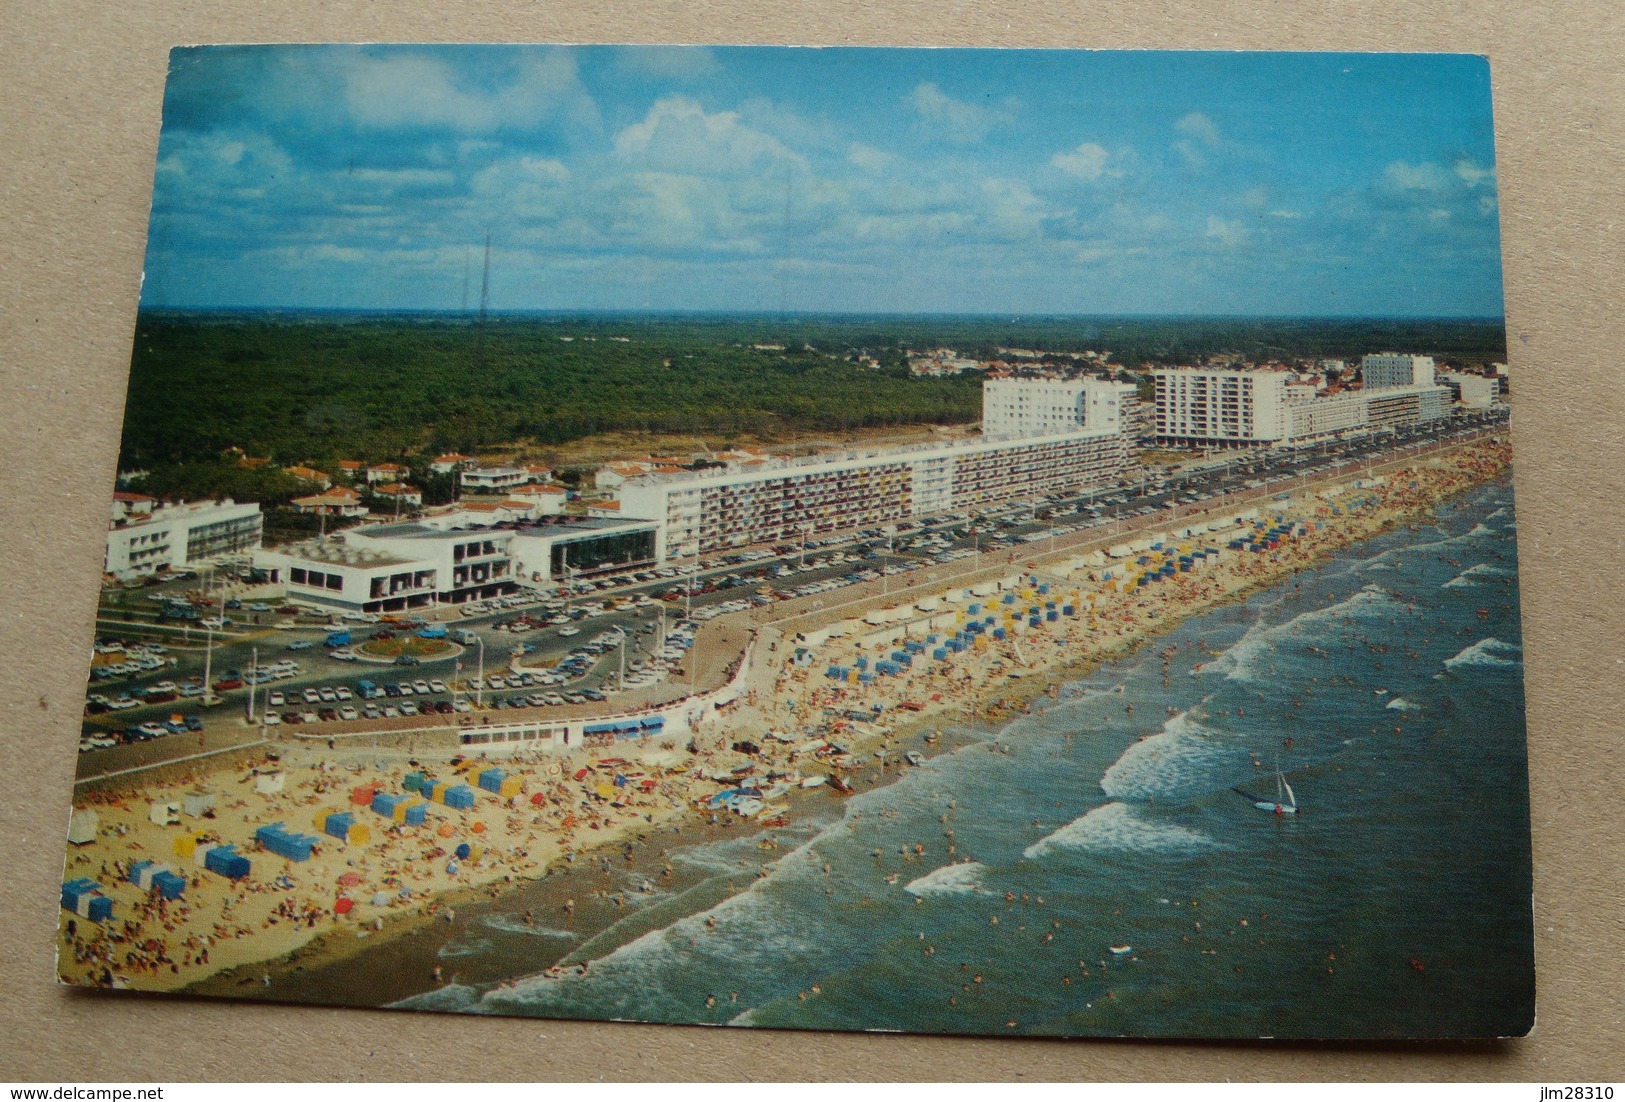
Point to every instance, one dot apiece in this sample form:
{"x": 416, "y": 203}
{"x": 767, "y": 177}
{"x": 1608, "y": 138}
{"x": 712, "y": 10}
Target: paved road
{"x": 1004, "y": 529}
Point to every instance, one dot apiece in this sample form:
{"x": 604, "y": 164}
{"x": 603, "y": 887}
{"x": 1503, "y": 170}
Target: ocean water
{"x": 1107, "y": 877}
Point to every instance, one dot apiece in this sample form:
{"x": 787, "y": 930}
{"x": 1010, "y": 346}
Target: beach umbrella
{"x": 537, "y": 799}
{"x": 446, "y": 830}
{"x": 344, "y": 906}
{"x": 479, "y": 827}
{"x": 349, "y": 879}
{"x": 380, "y": 899}
{"x": 463, "y": 851}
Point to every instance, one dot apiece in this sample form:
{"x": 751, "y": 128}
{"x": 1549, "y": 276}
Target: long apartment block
{"x": 702, "y": 513}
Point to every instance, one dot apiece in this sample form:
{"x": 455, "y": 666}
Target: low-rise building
{"x": 338, "y": 502}
{"x": 127, "y": 506}
{"x": 453, "y": 557}
{"x": 180, "y": 535}
{"x": 493, "y": 479}
{"x": 452, "y": 461}
{"x": 310, "y": 474}
{"x": 386, "y": 472}
{"x": 400, "y": 491}
{"x": 612, "y": 475}
{"x": 547, "y": 497}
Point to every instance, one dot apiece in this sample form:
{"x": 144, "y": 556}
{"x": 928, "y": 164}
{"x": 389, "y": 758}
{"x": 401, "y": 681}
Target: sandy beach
{"x": 630, "y": 804}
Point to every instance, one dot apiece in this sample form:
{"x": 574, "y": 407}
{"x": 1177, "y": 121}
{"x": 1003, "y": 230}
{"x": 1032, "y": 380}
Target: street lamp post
{"x": 479, "y": 691}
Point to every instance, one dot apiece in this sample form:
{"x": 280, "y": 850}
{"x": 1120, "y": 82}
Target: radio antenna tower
{"x": 485, "y": 304}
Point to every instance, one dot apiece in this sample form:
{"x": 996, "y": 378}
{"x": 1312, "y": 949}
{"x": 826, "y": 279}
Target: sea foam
{"x": 1178, "y": 761}
{"x": 1487, "y": 652}
{"x": 1116, "y": 827}
{"x": 961, "y": 879}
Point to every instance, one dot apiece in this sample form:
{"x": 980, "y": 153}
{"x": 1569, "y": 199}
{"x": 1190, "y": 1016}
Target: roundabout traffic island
{"x": 412, "y": 646}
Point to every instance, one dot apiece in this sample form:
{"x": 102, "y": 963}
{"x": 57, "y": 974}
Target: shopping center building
{"x": 452, "y": 558}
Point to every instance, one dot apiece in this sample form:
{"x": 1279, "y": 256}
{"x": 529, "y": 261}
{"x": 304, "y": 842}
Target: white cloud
{"x": 403, "y": 90}
{"x": 677, "y": 135}
{"x": 965, "y": 123}
{"x": 1086, "y": 162}
{"x": 1014, "y": 210}
{"x": 1199, "y": 126}
{"x": 870, "y": 159}
{"x": 1224, "y": 231}
{"x": 1425, "y": 177}
{"x": 1473, "y": 174}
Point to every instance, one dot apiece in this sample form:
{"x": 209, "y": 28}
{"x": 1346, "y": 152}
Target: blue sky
{"x": 827, "y": 180}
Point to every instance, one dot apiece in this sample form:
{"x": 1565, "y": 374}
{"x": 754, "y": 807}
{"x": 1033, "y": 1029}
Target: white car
{"x": 349, "y": 712}
{"x": 437, "y": 685}
{"x": 272, "y": 719}
{"x": 343, "y": 693}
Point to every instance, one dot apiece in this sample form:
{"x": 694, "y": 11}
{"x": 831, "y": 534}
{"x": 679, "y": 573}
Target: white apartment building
{"x": 1015, "y": 409}
{"x": 791, "y": 500}
{"x": 180, "y": 535}
{"x": 1473, "y": 391}
{"x": 1383, "y": 370}
{"x": 1203, "y": 406}
{"x": 1225, "y": 407}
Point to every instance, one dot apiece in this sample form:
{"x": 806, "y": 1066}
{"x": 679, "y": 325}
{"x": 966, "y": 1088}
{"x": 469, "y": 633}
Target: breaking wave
{"x": 962, "y": 879}
{"x": 1116, "y": 827}
{"x": 1487, "y": 652}
{"x": 1473, "y": 574}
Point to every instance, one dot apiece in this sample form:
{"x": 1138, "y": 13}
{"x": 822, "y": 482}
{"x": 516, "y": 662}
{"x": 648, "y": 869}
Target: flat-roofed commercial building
{"x": 451, "y": 558}
{"x": 180, "y": 535}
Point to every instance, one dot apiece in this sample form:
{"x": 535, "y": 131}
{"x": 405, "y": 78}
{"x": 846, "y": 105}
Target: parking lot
{"x": 246, "y": 669}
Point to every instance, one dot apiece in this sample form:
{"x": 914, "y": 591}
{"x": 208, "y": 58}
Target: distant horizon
{"x": 841, "y": 180}
{"x": 774, "y": 315}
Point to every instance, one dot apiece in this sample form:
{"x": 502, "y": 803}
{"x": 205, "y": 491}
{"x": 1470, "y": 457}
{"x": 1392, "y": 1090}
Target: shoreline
{"x": 992, "y": 698}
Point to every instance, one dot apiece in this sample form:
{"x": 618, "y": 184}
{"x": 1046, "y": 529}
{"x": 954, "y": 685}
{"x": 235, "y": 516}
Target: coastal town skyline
{"x": 830, "y": 180}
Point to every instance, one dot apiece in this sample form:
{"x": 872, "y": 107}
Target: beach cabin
{"x": 283, "y": 842}
{"x": 197, "y": 803}
{"x": 225, "y": 861}
{"x": 164, "y": 812}
{"x": 269, "y": 784}
{"x": 84, "y": 898}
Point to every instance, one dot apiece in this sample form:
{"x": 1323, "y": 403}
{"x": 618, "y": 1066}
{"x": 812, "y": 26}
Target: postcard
{"x": 1003, "y": 542}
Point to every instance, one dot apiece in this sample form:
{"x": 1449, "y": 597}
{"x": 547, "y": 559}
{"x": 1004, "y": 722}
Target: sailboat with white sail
{"x": 1285, "y": 802}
